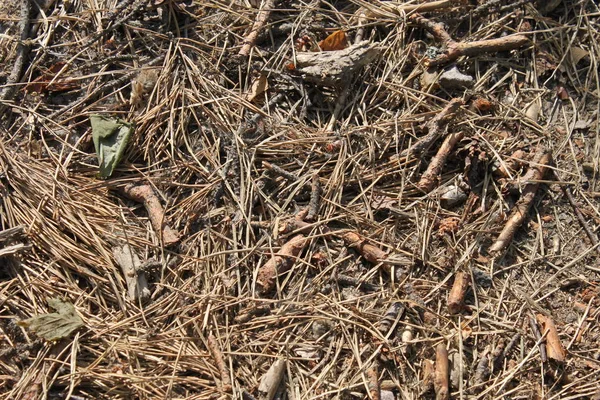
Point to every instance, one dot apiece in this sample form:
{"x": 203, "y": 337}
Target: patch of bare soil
{"x": 302, "y": 200}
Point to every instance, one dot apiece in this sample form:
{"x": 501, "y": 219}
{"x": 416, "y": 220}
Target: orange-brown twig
{"x": 280, "y": 263}
{"x": 457, "y": 294}
{"x": 455, "y": 49}
{"x": 145, "y": 194}
{"x": 554, "y": 347}
{"x": 215, "y": 352}
{"x": 434, "y": 129}
{"x": 431, "y": 177}
{"x": 372, "y": 374}
{"x": 371, "y": 253}
{"x": 261, "y": 20}
{"x": 442, "y": 373}
{"x": 514, "y": 162}
{"x": 517, "y": 216}
{"x": 538, "y": 337}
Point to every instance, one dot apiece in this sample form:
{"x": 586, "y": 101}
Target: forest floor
{"x": 211, "y": 199}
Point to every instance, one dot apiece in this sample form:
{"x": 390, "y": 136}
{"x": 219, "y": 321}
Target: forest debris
{"x": 454, "y": 79}
{"x": 271, "y": 380}
{"x": 457, "y": 294}
{"x": 428, "y": 377}
{"x": 280, "y": 263}
{"x": 401, "y": 9}
{"x": 394, "y": 312}
{"x": 111, "y": 137}
{"x": 431, "y": 176}
{"x": 143, "y": 84}
{"x": 334, "y": 67}
{"x": 372, "y": 374}
{"x": 257, "y": 27}
{"x": 47, "y": 82}
{"x": 277, "y": 170}
{"x": 554, "y": 347}
{"x": 137, "y": 284}
{"x": 454, "y": 50}
{"x": 519, "y": 212}
{"x": 259, "y": 86}
{"x": 387, "y": 395}
{"x": 9, "y": 233}
{"x": 315, "y": 199}
{"x": 451, "y": 196}
{"x": 338, "y": 40}
{"x": 442, "y": 373}
{"x": 538, "y": 337}
{"x": 482, "y": 371}
{"x": 55, "y": 326}
{"x": 145, "y": 194}
{"x": 371, "y": 253}
{"x": 406, "y": 339}
{"x": 345, "y": 280}
{"x": 514, "y": 162}
{"x": 249, "y": 313}
{"x": 434, "y": 129}
{"x": 217, "y": 355}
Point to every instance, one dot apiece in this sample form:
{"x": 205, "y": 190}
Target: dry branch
{"x": 457, "y": 293}
{"x": 259, "y": 23}
{"x": 519, "y": 213}
{"x": 145, "y": 194}
{"x": 455, "y": 49}
{"x": 372, "y": 374}
{"x": 280, "y": 263}
{"x": 431, "y": 177}
{"x": 217, "y": 355}
{"x": 137, "y": 284}
{"x": 371, "y": 253}
{"x": 442, "y": 373}
{"x": 554, "y": 347}
{"x": 434, "y": 129}
{"x": 271, "y": 380}
{"x": 538, "y": 337}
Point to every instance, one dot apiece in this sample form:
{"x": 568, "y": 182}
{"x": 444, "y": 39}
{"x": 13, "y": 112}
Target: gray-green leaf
{"x": 110, "y": 137}
{"x": 55, "y": 326}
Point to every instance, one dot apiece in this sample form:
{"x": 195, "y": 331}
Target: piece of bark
{"x": 371, "y": 253}
{"x": 538, "y": 338}
{"x": 257, "y": 27}
{"x": 11, "y": 232}
{"x": 554, "y": 347}
{"x": 519, "y": 212}
{"x": 335, "y": 67}
{"x": 135, "y": 277}
{"x": 372, "y": 374}
{"x": 248, "y": 314}
{"x": 271, "y": 380}
{"x": 434, "y": 128}
{"x": 456, "y": 297}
{"x": 431, "y": 177}
{"x": 394, "y": 311}
{"x": 145, "y": 194}
{"x": 428, "y": 377}
{"x": 280, "y": 263}
{"x": 315, "y": 198}
{"x": 276, "y": 169}
{"x": 442, "y": 373}
{"x": 483, "y": 367}
{"x": 217, "y": 355}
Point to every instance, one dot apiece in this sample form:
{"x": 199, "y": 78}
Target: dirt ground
{"x": 316, "y": 200}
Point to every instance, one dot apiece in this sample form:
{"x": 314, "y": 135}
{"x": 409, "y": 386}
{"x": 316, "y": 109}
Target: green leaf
{"x": 110, "y": 137}
{"x": 56, "y": 325}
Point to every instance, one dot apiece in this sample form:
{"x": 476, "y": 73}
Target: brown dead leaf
{"x": 258, "y": 87}
{"x": 576, "y": 54}
{"x": 43, "y": 83}
{"x": 336, "y": 41}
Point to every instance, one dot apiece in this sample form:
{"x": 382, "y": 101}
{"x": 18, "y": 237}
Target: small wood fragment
{"x": 277, "y": 170}
{"x": 428, "y": 377}
{"x": 457, "y": 294}
{"x": 554, "y": 347}
{"x": 11, "y": 232}
{"x": 372, "y": 374}
{"x": 514, "y": 162}
{"x": 482, "y": 371}
{"x": 217, "y": 355}
{"x": 519, "y": 212}
{"x": 145, "y": 194}
{"x": 395, "y": 311}
{"x": 135, "y": 277}
{"x": 315, "y": 199}
{"x": 271, "y": 380}
{"x": 442, "y": 373}
{"x": 280, "y": 263}
{"x": 538, "y": 338}
{"x": 431, "y": 177}
{"x": 371, "y": 253}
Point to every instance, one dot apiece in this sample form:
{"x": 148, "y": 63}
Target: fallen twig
{"x": 517, "y": 216}
{"x": 217, "y": 355}
{"x": 455, "y": 49}
{"x": 442, "y": 373}
{"x": 372, "y": 374}
{"x": 11, "y": 232}
{"x": 271, "y": 380}
{"x": 145, "y": 194}
{"x": 554, "y": 347}
{"x": 315, "y": 199}
{"x": 514, "y": 162}
{"x": 259, "y": 23}
{"x": 431, "y": 176}
{"x": 280, "y": 263}
{"x": 428, "y": 377}
{"x": 457, "y": 294}
{"x": 371, "y": 253}
{"x": 538, "y": 337}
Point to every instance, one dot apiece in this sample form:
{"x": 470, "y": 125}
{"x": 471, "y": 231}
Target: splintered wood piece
{"x": 456, "y": 297}
{"x": 519, "y": 212}
{"x": 431, "y": 177}
{"x": 371, "y": 253}
{"x": 442, "y": 373}
{"x": 145, "y": 194}
{"x": 372, "y": 374}
{"x": 334, "y": 67}
{"x": 271, "y": 380}
{"x": 554, "y": 347}
{"x": 280, "y": 263}
{"x": 217, "y": 355}
{"x": 135, "y": 277}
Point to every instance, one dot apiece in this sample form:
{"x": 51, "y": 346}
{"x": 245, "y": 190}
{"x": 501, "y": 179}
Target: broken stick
{"x": 538, "y": 338}
{"x": 518, "y": 214}
{"x": 145, "y": 194}
{"x": 457, "y": 293}
{"x": 261, "y": 20}
{"x": 217, "y": 355}
{"x": 554, "y": 347}
{"x": 441, "y": 382}
{"x": 372, "y": 374}
{"x": 280, "y": 263}
{"x": 431, "y": 177}
{"x": 270, "y": 381}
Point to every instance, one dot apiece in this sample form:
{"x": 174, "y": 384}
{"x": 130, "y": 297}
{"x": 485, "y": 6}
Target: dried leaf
{"x": 110, "y": 137}
{"x": 576, "y": 54}
{"x": 43, "y": 83}
{"x": 336, "y": 41}
{"x": 259, "y": 86}
{"x": 55, "y": 326}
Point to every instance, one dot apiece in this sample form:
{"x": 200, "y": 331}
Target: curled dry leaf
{"x": 338, "y": 40}
{"x": 54, "y": 326}
{"x": 259, "y": 86}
